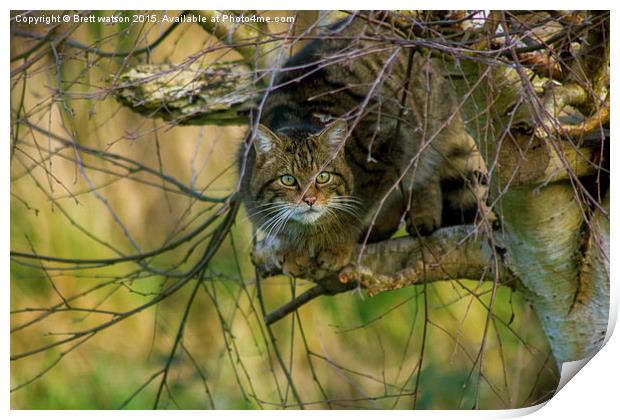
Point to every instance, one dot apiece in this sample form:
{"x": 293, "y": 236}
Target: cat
{"x": 343, "y": 155}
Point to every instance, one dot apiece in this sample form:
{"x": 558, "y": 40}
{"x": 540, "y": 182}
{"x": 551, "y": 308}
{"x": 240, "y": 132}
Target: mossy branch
{"x": 221, "y": 93}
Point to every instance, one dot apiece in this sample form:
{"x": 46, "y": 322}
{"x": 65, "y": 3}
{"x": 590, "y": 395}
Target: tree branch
{"x": 221, "y": 94}
{"x": 530, "y": 160}
{"x": 456, "y": 252}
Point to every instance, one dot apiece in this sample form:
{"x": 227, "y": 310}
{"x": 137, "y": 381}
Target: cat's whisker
{"x": 269, "y": 229}
{"x": 335, "y": 214}
{"x": 279, "y": 223}
{"x": 268, "y": 224}
{"x": 353, "y": 204}
{"x": 270, "y": 204}
{"x": 283, "y": 223}
{"x": 347, "y": 198}
{"x": 273, "y": 220}
{"x": 266, "y": 212}
{"x": 353, "y": 211}
{"x": 343, "y": 204}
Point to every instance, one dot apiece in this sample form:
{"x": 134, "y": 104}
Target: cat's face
{"x": 302, "y": 178}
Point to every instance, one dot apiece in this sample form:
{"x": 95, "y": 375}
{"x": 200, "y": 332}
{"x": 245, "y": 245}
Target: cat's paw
{"x": 274, "y": 258}
{"x": 264, "y": 258}
{"x": 293, "y": 262}
{"x": 333, "y": 259}
{"x": 424, "y": 222}
{"x": 424, "y": 214}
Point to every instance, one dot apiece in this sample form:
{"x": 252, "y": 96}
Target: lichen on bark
{"x": 221, "y": 93}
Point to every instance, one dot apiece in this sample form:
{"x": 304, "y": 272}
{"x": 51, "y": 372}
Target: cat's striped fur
{"x": 339, "y": 106}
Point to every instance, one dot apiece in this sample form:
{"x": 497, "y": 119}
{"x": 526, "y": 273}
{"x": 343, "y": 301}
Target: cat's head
{"x": 301, "y": 176}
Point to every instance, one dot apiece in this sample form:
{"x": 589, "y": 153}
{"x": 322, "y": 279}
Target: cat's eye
{"x": 288, "y": 180}
{"x": 323, "y": 177}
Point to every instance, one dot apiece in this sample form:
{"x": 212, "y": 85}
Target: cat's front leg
{"x": 293, "y": 261}
{"x": 273, "y": 256}
{"x": 425, "y": 208}
{"x": 335, "y": 257}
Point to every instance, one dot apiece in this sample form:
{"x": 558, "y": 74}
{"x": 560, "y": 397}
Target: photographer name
{"x": 151, "y": 18}
{"x": 78, "y": 18}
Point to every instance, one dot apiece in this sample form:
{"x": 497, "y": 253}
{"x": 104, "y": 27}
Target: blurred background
{"x": 72, "y": 345}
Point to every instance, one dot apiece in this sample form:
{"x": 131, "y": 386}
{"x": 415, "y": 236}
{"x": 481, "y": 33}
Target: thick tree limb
{"x": 456, "y": 252}
{"x": 591, "y": 304}
{"x": 593, "y": 122}
{"x": 530, "y": 160}
{"x": 558, "y": 97}
{"x": 543, "y": 240}
{"x": 543, "y": 226}
{"x": 222, "y": 93}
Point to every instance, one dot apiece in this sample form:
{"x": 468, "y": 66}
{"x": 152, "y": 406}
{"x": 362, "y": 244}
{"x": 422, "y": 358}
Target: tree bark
{"x": 221, "y": 94}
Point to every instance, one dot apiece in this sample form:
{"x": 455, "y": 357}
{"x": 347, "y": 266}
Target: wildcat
{"x": 356, "y": 137}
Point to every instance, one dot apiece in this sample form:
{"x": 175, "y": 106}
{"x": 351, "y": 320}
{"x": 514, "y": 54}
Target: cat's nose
{"x": 310, "y": 200}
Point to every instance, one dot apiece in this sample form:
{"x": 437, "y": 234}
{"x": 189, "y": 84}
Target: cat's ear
{"x": 265, "y": 140}
{"x": 334, "y": 133}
